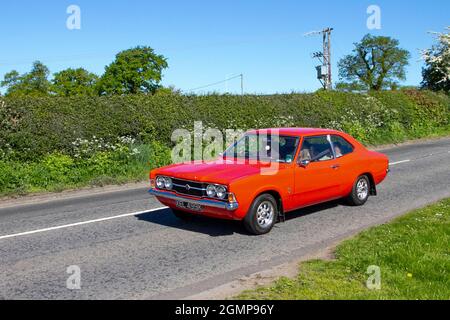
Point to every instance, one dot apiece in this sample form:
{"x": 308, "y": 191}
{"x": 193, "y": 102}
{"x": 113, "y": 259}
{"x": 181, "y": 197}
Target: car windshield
{"x": 264, "y": 147}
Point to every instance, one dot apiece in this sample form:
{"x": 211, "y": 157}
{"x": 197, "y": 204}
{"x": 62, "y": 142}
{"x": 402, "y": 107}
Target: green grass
{"x": 397, "y": 134}
{"x": 57, "y": 172}
{"x": 413, "y": 253}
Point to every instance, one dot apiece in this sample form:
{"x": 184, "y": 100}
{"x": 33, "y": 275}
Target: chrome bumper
{"x": 230, "y": 206}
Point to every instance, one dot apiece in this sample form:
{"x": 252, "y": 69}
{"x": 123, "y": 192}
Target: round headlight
{"x": 168, "y": 183}
{"x": 160, "y": 182}
{"x": 221, "y": 192}
{"x": 211, "y": 191}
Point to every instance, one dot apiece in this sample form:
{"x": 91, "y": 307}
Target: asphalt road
{"x": 127, "y": 248}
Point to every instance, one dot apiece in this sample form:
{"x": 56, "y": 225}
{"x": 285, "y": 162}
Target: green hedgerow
{"x": 34, "y": 127}
{"x": 52, "y": 143}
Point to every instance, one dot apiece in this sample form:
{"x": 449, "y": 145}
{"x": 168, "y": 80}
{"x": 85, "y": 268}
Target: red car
{"x": 297, "y": 168}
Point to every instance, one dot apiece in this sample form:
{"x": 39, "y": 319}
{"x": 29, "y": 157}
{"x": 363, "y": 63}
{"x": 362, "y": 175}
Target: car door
{"x": 316, "y": 173}
{"x": 345, "y": 160}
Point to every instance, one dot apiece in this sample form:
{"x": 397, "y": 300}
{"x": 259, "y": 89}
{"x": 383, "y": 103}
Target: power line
{"x": 220, "y": 82}
{"x": 101, "y": 55}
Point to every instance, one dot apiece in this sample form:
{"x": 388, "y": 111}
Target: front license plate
{"x": 189, "y": 206}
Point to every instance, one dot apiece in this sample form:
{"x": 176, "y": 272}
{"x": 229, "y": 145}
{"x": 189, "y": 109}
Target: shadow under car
{"x": 218, "y": 227}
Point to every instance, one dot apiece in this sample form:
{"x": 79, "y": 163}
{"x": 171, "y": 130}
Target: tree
{"x": 375, "y": 64}
{"x": 436, "y": 74}
{"x": 137, "y": 70}
{"x": 11, "y": 80}
{"x": 350, "y": 87}
{"x": 34, "y": 83}
{"x": 170, "y": 90}
{"x": 74, "y": 82}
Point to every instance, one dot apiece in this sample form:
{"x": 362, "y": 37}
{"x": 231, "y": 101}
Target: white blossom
{"x": 439, "y": 54}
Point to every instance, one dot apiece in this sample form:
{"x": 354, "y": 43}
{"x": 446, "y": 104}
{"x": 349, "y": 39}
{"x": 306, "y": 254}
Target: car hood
{"x": 214, "y": 172}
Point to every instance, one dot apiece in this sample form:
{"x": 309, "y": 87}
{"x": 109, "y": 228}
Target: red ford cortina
{"x": 297, "y": 168}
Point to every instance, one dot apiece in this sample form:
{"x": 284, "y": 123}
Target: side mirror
{"x": 304, "y": 163}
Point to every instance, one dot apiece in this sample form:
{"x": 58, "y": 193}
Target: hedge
{"x": 35, "y": 127}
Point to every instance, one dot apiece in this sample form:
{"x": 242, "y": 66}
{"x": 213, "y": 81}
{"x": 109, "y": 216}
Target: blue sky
{"x": 208, "y": 41}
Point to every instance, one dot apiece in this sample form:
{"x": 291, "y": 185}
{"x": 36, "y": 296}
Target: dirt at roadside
{"x": 261, "y": 278}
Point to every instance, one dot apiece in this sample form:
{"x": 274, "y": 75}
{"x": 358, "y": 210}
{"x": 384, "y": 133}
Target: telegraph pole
{"x": 324, "y": 72}
{"x": 327, "y": 56}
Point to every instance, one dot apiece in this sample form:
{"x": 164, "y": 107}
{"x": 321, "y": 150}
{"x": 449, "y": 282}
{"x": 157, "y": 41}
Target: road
{"x": 128, "y": 247}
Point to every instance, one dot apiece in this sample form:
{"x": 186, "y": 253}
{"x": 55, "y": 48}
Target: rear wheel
{"x": 360, "y": 192}
{"x": 182, "y": 215}
{"x": 262, "y": 215}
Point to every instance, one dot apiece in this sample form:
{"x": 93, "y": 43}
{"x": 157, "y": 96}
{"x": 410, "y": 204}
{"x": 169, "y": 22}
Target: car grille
{"x": 191, "y": 188}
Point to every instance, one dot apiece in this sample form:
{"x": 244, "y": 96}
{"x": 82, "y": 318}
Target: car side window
{"x": 315, "y": 149}
{"x": 341, "y": 146}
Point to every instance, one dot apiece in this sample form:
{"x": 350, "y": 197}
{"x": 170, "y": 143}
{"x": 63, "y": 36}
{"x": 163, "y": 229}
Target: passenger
{"x": 337, "y": 150}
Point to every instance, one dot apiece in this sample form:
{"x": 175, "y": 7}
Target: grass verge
{"x": 57, "y": 172}
{"x": 412, "y": 252}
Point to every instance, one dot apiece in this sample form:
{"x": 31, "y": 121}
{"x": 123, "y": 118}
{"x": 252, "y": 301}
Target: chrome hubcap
{"x": 362, "y": 189}
{"x": 265, "y": 214}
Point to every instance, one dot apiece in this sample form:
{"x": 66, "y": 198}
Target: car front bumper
{"x": 228, "y": 206}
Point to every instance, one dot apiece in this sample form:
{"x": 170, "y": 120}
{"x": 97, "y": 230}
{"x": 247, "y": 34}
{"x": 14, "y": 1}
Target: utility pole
{"x": 324, "y": 72}
{"x": 230, "y": 77}
{"x": 327, "y": 56}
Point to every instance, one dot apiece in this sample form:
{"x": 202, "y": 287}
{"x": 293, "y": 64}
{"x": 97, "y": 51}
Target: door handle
{"x": 335, "y": 166}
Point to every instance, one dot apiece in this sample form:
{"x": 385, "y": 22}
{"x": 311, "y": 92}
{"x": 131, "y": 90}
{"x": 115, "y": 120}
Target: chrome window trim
{"x": 328, "y": 138}
{"x": 233, "y": 147}
{"x": 351, "y": 145}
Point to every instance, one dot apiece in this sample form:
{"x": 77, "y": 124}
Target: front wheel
{"x": 262, "y": 215}
{"x": 360, "y": 192}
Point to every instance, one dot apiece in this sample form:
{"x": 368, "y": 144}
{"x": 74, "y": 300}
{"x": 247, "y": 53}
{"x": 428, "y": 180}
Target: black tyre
{"x": 262, "y": 215}
{"x": 182, "y": 215}
{"x": 360, "y": 192}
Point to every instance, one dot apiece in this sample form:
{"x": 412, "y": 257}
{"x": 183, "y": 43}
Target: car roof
{"x": 295, "y": 131}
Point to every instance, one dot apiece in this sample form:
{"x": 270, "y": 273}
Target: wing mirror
{"x": 304, "y": 163}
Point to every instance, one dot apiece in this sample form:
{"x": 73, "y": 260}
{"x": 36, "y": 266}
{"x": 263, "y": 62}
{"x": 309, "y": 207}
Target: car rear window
{"x": 341, "y": 146}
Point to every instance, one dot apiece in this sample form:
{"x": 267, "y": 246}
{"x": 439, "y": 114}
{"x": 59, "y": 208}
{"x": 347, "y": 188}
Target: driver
{"x": 306, "y": 152}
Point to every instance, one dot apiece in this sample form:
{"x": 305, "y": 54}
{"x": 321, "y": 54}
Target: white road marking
{"x": 398, "y": 162}
{"x": 80, "y": 223}
{"x": 113, "y": 217}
